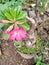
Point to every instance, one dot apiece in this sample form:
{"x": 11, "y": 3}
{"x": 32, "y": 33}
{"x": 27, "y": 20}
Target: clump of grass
{"x": 26, "y": 50}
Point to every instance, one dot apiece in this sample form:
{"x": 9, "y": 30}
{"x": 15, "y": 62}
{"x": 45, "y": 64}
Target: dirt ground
{"x": 10, "y": 56}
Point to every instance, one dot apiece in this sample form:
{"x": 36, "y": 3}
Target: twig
{"x": 46, "y": 13}
{"x": 36, "y": 9}
{"x": 30, "y": 19}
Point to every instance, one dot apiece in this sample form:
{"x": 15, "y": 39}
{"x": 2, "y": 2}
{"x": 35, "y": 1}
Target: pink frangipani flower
{"x": 17, "y": 34}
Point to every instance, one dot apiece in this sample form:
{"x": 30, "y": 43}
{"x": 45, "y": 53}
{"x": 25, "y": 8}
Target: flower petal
{"x": 23, "y": 33}
{"x": 1, "y": 21}
{"x": 12, "y": 37}
{"x": 18, "y": 37}
{"x": 16, "y": 26}
{"x": 9, "y": 29}
{"x": 4, "y": 21}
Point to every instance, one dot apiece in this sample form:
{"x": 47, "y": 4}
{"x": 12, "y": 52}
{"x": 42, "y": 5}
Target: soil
{"x": 43, "y": 30}
{"x": 10, "y": 55}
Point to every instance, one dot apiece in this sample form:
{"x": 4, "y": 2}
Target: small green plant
{"x": 26, "y": 50}
{"x": 43, "y": 5}
{"x": 38, "y": 61}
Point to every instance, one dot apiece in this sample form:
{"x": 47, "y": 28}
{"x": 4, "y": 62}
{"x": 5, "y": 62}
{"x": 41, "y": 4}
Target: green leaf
{"x": 2, "y": 16}
{"x": 21, "y": 15}
{"x": 1, "y": 25}
{"x": 23, "y": 20}
{"x": 7, "y": 4}
{"x": 41, "y": 9}
{"x": 12, "y": 12}
{"x": 13, "y": 0}
{"x": 38, "y": 59}
{"x": 38, "y": 63}
{"x": 16, "y": 43}
{"x": 17, "y": 10}
{"x": 5, "y": 36}
{"x": 2, "y": 7}
{"x": 26, "y": 26}
{"x": 8, "y": 15}
{"x": 3, "y": 0}
{"x": 44, "y": 52}
{"x": 19, "y": 3}
{"x": 47, "y": 43}
{"x": 0, "y": 0}
{"x": 43, "y": 2}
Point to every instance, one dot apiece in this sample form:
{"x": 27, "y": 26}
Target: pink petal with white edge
{"x": 1, "y": 21}
{"x": 4, "y": 21}
{"x": 16, "y": 26}
{"x": 9, "y": 29}
{"x": 12, "y": 37}
{"x": 23, "y": 33}
{"x": 18, "y": 37}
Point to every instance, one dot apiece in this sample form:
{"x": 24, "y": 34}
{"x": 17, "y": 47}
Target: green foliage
{"x": 5, "y": 36}
{"x": 1, "y": 25}
{"x": 39, "y": 44}
{"x": 16, "y": 43}
{"x": 14, "y": 15}
{"x": 47, "y": 43}
{"x": 11, "y": 3}
{"x": 43, "y": 5}
{"x": 41, "y": 9}
{"x": 38, "y": 61}
{"x": 26, "y": 50}
{"x": 26, "y": 26}
{"x": 18, "y": 14}
{"x": 43, "y": 2}
{"x": 4, "y": 7}
{"x": 4, "y": 1}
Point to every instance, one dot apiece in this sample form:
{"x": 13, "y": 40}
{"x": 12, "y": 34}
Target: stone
{"x": 32, "y": 13}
